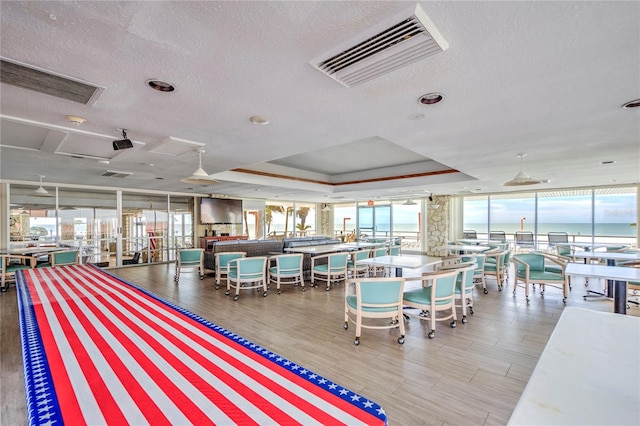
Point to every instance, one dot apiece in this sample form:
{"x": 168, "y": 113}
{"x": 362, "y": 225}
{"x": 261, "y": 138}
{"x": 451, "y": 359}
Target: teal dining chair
{"x": 190, "y": 259}
{"x": 377, "y": 298}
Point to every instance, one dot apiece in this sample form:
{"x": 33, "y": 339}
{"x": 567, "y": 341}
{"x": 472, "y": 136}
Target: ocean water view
{"x": 601, "y": 229}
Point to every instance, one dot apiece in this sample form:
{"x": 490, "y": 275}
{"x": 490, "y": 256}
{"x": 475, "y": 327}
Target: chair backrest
{"x": 394, "y": 250}
{"x": 190, "y": 255}
{"x": 382, "y": 251}
{"x": 497, "y": 236}
{"x": 67, "y": 257}
{"x": 443, "y": 286}
{"x": 524, "y": 238}
{"x": 479, "y": 259}
{"x": 249, "y": 268}
{"x": 337, "y": 262}
{"x": 379, "y": 293}
{"x": 223, "y": 259}
{"x": 534, "y": 260}
{"x": 563, "y": 250}
{"x": 465, "y": 278}
{"x": 555, "y": 238}
{"x": 361, "y": 254}
{"x": 288, "y": 263}
{"x": 469, "y": 235}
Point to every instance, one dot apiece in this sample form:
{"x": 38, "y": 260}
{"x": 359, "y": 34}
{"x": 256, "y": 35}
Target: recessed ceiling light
{"x": 431, "y": 98}
{"x": 260, "y": 119}
{"x": 608, "y": 162}
{"x": 74, "y": 119}
{"x": 632, "y": 104}
{"x": 161, "y": 86}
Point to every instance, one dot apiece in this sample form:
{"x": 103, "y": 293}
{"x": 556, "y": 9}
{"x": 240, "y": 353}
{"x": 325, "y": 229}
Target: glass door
{"x": 374, "y": 222}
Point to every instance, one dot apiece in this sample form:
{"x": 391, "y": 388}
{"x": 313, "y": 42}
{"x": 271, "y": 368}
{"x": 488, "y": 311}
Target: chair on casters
{"x": 356, "y": 269}
{"x": 464, "y": 289}
{"x": 222, "y": 264}
{"x": 375, "y": 269}
{"x": 436, "y": 294}
{"x": 247, "y": 273}
{"x": 59, "y": 258}
{"x": 9, "y": 264}
{"x": 190, "y": 259}
{"x": 494, "y": 266}
{"x": 376, "y": 298}
{"x": 333, "y": 271}
{"x": 287, "y": 269}
{"x": 530, "y": 269}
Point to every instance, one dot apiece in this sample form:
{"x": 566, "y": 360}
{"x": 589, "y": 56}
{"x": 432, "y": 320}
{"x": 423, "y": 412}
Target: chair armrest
{"x": 314, "y": 258}
{"x": 30, "y": 260}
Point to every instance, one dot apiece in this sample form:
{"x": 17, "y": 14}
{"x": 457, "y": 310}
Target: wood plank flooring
{"x": 473, "y": 374}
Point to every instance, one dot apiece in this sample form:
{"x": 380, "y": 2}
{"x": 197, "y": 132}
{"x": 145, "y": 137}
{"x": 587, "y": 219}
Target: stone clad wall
{"x": 437, "y": 226}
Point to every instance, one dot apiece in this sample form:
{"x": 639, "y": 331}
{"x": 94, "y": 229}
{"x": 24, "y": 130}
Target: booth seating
{"x": 255, "y": 248}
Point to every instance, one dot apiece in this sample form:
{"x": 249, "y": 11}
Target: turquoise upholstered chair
{"x": 287, "y": 269}
{"x": 494, "y": 266}
{"x": 9, "y": 264}
{"x": 375, "y": 298}
{"x": 356, "y": 269}
{"x": 530, "y": 269}
{"x": 436, "y": 295}
{"x": 222, "y": 264}
{"x": 464, "y": 289}
{"x": 247, "y": 273}
{"x": 334, "y": 270}
{"x": 190, "y": 259}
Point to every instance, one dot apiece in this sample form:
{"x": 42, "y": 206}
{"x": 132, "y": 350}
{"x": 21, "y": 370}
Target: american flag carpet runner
{"x": 101, "y": 351}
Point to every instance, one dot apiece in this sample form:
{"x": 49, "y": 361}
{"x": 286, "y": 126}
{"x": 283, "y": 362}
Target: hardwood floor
{"x": 469, "y": 375}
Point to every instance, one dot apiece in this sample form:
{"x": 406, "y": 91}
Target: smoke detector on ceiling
{"x": 393, "y": 43}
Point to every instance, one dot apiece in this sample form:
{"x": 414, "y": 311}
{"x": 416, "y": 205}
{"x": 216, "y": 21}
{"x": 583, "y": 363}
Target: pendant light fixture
{"x": 522, "y": 179}
{"x": 199, "y": 177}
{"x": 41, "y": 192}
{"x": 409, "y": 202}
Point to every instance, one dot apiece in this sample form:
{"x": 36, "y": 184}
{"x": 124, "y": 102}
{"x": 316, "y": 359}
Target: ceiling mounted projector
{"x": 123, "y": 143}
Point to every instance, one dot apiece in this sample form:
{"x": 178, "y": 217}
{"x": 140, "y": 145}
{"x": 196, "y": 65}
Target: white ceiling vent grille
{"x": 393, "y": 43}
{"x": 117, "y": 174}
{"x": 47, "y": 82}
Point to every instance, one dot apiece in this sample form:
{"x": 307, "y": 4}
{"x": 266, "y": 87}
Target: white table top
{"x": 588, "y": 373}
{"x": 319, "y": 249}
{"x": 606, "y": 255}
{"x": 464, "y": 248}
{"x": 618, "y": 273}
{"x": 590, "y": 246}
{"x": 404, "y": 261}
{"x": 480, "y": 241}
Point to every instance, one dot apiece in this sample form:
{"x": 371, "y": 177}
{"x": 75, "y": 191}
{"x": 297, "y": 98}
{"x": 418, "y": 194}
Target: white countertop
{"x": 588, "y": 374}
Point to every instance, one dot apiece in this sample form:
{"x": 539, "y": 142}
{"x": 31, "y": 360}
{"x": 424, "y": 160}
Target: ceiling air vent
{"x": 114, "y": 173}
{"x": 393, "y": 43}
{"x": 46, "y": 82}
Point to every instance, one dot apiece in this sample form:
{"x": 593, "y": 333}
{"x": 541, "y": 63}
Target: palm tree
{"x": 268, "y": 215}
{"x": 302, "y": 213}
{"x": 288, "y": 213}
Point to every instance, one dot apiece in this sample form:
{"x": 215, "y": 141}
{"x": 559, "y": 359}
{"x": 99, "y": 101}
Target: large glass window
{"x": 586, "y": 215}
{"x": 305, "y": 219}
{"x": 406, "y": 224}
{"x": 615, "y": 213}
{"x": 344, "y": 221}
{"x": 476, "y": 215}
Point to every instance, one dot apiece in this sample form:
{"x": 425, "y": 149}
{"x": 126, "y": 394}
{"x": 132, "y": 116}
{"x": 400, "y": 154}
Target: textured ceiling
{"x": 543, "y": 78}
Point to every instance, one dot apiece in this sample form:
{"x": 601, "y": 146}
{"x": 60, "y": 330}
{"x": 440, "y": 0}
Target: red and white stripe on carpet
{"x": 116, "y": 354}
